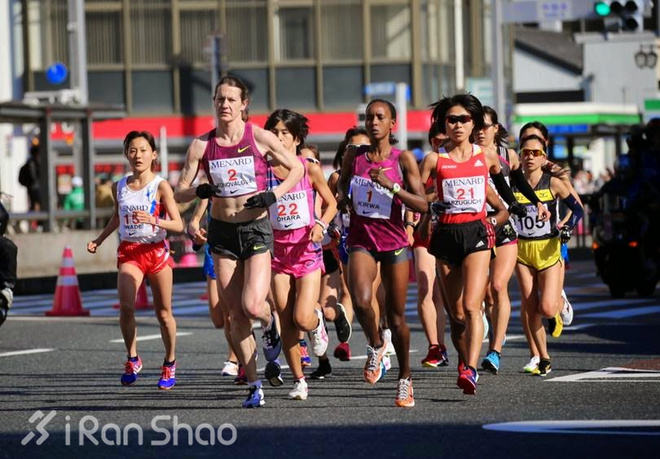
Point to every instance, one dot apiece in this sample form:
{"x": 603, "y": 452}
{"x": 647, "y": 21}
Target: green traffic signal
{"x": 602, "y": 9}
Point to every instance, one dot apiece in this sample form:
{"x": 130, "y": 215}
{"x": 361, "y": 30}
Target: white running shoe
{"x": 485, "y": 321}
{"x": 299, "y": 391}
{"x": 532, "y": 364}
{"x": 230, "y": 368}
{"x": 566, "y": 311}
{"x": 319, "y": 336}
{"x": 387, "y": 337}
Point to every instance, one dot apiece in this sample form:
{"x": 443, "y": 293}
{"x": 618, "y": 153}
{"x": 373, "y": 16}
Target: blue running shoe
{"x": 255, "y": 397}
{"x": 271, "y": 341}
{"x": 273, "y": 373}
{"x": 383, "y": 369}
{"x": 491, "y": 362}
{"x": 131, "y": 370}
{"x": 167, "y": 377}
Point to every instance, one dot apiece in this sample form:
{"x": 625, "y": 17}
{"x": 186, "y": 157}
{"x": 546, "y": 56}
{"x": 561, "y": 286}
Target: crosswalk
{"x": 590, "y": 301}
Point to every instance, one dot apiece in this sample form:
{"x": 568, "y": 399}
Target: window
{"x": 257, "y": 82}
{"x": 247, "y": 31}
{"x": 151, "y": 32}
{"x": 296, "y": 88}
{"x": 342, "y": 86}
{"x": 152, "y": 92}
{"x": 341, "y": 32}
{"x": 391, "y": 32}
{"x": 294, "y": 37}
{"x": 196, "y": 91}
{"x": 106, "y": 87}
{"x": 196, "y": 28}
{"x": 103, "y": 31}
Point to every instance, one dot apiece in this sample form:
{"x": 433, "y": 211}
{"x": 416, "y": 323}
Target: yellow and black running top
{"x": 528, "y": 226}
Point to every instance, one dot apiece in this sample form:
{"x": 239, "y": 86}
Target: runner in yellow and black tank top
{"x": 538, "y": 244}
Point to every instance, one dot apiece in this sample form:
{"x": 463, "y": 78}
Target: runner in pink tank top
{"x": 298, "y": 253}
{"x": 239, "y": 234}
{"x": 379, "y": 180}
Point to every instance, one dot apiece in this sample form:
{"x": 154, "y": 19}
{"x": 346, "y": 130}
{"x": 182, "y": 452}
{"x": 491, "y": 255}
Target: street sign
{"x": 482, "y": 89}
{"x": 57, "y": 73}
{"x": 386, "y": 88}
{"x": 554, "y": 10}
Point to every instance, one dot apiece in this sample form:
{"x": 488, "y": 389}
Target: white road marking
{"x": 149, "y": 337}
{"x": 26, "y": 351}
{"x": 586, "y": 427}
{"x": 622, "y": 313}
{"x": 611, "y": 374}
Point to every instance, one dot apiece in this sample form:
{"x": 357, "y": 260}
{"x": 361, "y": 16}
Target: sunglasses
{"x": 463, "y": 119}
{"x": 532, "y": 151}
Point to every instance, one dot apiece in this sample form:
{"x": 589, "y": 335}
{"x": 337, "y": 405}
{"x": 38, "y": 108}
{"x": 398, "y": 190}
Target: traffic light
{"x": 626, "y": 16}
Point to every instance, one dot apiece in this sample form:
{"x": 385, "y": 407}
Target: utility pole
{"x": 497, "y": 67}
{"x": 77, "y": 49}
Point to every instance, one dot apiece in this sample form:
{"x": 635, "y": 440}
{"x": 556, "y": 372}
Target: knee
{"x": 396, "y": 321}
{"x": 547, "y": 309}
{"x": 254, "y": 310}
{"x": 499, "y": 289}
{"x": 218, "y": 320}
{"x": 361, "y": 302}
{"x": 305, "y": 321}
{"x": 164, "y": 316}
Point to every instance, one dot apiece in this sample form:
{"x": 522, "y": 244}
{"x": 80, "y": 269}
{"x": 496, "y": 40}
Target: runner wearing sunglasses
{"x": 538, "y": 267}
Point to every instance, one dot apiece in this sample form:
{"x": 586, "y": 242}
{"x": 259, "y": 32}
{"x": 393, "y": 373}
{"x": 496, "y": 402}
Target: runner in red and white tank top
{"x": 143, "y": 201}
{"x": 381, "y": 179}
{"x": 462, "y": 239}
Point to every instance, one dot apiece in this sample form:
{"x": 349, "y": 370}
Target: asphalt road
{"x": 605, "y": 380}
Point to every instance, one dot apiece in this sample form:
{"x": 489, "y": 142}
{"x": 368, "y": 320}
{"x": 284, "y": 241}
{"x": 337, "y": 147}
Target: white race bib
{"x": 234, "y": 176}
{"x": 464, "y": 194}
{"x": 290, "y": 212}
{"x": 529, "y": 227}
{"x": 370, "y": 199}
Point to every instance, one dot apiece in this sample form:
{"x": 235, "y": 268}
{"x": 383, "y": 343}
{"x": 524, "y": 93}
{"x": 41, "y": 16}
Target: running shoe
{"x": 230, "y": 368}
{"x": 305, "y": 359}
{"x": 241, "y": 377}
{"x": 543, "y": 368}
{"x": 323, "y": 370}
{"x": 373, "y": 368}
{"x": 461, "y": 366}
{"x": 319, "y": 336}
{"x": 299, "y": 391}
{"x": 273, "y": 373}
{"x": 167, "y": 377}
{"x": 491, "y": 362}
{"x": 342, "y": 325}
{"x": 255, "y": 397}
{"x": 566, "y": 311}
{"x": 467, "y": 381}
{"x": 532, "y": 364}
{"x": 131, "y": 370}
{"x": 435, "y": 357}
{"x": 404, "y": 393}
{"x": 343, "y": 352}
{"x": 6, "y": 300}
{"x": 555, "y": 326}
{"x": 271, "y": 341}
{"x": 387, "y": 338}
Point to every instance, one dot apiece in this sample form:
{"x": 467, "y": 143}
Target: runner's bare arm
{"x": 184, "y": 191}
{"x": 110, "y": 228}
{"x": 274, "y": 148}
{"x": 413, "y": 195}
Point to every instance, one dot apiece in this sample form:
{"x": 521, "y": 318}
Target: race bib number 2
{"x": 234, "y": 176}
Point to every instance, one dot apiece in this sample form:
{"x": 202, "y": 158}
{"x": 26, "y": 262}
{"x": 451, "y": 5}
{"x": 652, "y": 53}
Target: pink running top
{"x": 238, "y": 169}
{"x": 377, "y": 215}
{"x": 292, "y": 216}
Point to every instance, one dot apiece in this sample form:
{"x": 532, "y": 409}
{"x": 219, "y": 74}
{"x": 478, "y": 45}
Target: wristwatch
{"x": 492, "y": 221}
{"x": 396, "y": 188}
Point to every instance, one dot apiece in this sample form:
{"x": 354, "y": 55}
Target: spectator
{"x": 76, "y": 200}
{"x": 28, "y": 176}
{"x": 104, "y": 198}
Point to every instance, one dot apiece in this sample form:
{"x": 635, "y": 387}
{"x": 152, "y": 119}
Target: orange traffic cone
{"x": 68, "y": 301}
{"x": 141, "y": 298}
{"x": 189, "y": 258}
